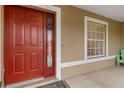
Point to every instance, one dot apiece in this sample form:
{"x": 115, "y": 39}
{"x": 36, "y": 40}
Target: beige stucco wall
{"x": 80, "y": 69}
{"x": 73, "y": 33}
{"x": 73, "y": 40}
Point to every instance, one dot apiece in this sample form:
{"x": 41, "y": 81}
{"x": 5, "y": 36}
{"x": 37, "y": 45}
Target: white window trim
{"x": 86, "y": 19}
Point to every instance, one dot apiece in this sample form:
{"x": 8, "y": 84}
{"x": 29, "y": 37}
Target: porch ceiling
{"x": 115, "y": 12}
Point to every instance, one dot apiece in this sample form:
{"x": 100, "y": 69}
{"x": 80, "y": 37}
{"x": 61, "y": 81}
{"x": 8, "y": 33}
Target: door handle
{"x": 41, "y": 44}
{"x": 41, "y": 47}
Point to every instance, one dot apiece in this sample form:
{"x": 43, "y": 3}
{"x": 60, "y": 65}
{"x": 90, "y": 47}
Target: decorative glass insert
{"x": 49, "y": 26}
{"x": 49, "y": 41}
{"x": 96, "y": 39}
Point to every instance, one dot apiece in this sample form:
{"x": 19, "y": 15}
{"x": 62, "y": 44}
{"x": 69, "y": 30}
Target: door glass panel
{"x": 49, "y": 42}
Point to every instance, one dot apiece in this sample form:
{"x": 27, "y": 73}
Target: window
{"x": 95, "y": 38}
{"x": 49, "y": 40}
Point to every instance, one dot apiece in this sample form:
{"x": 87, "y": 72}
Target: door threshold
{"x": 34, "y": 83}
{"x": 24, "y": 83}
{"x": 43, "y": 82}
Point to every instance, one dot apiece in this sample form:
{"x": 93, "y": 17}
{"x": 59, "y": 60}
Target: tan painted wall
{"x": 80, "y": 69}
{"x": 73, "y": 33}
{"x": 73, "y": 40}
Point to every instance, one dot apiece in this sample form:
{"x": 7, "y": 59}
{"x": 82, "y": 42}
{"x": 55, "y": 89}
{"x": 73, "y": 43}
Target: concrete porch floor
{"x": 111, "y": 77}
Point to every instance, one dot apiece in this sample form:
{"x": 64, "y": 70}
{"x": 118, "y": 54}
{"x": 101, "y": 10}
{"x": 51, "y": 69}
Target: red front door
{"x": 25, "y": 45}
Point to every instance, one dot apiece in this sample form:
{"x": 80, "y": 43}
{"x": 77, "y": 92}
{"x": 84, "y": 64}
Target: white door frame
{"x": 51, "y": 8}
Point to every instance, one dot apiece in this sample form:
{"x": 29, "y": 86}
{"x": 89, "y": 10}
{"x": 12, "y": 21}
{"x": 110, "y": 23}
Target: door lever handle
{"x": 41, "y": 47}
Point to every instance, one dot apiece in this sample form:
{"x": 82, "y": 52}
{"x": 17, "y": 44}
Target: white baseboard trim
{"x": 75, "y": 63}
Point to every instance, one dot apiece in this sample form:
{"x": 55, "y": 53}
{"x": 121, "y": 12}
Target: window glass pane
{"x": 89, "y": 45}
{"x": 92, "y": 52}
{"x": 89, "y": 35}
{"x": 92, "y": 44}
{"x": 101, "y": 43}
{"x": 101, "y": 51}
{"x": 97, "y": 34}
{"x": 96, "y": 39}
{"x": 93, "y": 35}
{"x": 100, "y": 35}
{"x": 97, "y": 51}
{"x": 89, "y": 52}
